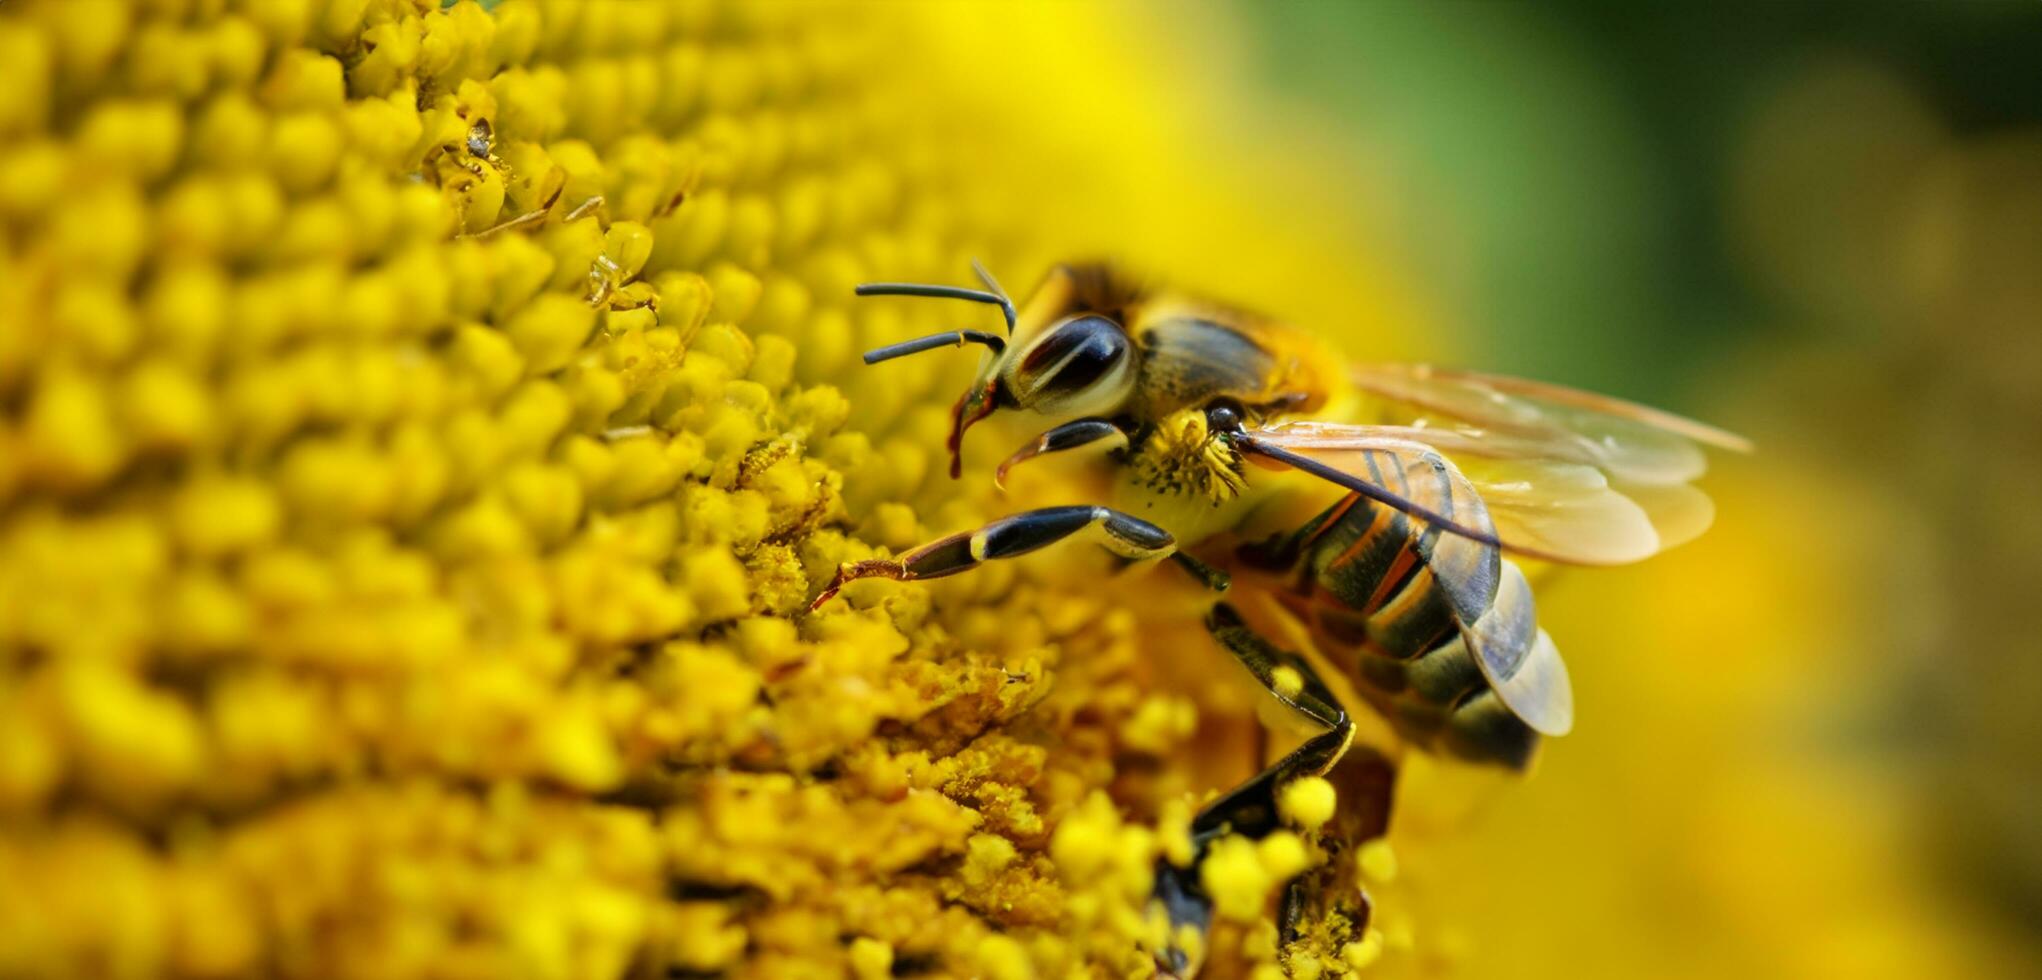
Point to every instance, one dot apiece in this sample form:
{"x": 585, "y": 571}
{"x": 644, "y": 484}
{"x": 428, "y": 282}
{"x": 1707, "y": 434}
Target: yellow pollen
{"x": 1363, "y": 953}
{"x": 1286, "y": 681}
{"x": 1307, "y": 802}
{"x": 1377, "y": 861}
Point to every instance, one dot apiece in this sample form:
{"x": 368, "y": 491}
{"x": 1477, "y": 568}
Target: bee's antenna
{"x": 994, "y": 298}
{"x": 953, "y": 338}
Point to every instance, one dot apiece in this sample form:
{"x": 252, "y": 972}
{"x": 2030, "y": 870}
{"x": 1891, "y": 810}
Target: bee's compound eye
{"x": 1083, "y": 364}
{"x": 1223, "y": 416}
{"x": 1078, "y": 352}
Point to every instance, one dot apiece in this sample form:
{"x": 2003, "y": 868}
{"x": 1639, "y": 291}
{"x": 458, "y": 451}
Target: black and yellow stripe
{"x": 1438, "y": 628}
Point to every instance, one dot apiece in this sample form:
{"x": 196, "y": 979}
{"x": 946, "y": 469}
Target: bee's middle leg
{"x": 1129, "y": 537}
{"x": 1251, "y": 809}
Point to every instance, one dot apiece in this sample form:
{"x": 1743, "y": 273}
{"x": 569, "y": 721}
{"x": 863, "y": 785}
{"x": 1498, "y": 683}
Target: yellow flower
{"x": 422, "y": 427}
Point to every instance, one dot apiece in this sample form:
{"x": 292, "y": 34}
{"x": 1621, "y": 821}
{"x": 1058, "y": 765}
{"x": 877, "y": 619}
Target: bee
{"x": 1385, "y": 507}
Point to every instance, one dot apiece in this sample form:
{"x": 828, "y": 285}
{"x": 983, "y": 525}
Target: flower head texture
{"x": 424, "y": 427}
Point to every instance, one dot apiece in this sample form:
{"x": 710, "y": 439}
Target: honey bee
{"x": 1219, "y": 425}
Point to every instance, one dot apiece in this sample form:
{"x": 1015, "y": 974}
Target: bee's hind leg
{"x": 1251, "y": 809}
{"x": 1131, "y": 538}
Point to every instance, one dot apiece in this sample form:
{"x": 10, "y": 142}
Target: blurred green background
{"x": 1576, "y": 173}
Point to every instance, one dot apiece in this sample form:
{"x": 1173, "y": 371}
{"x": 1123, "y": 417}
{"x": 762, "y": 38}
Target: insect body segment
{"x": 1439, "y": 628}
{"x": 1406, "y": 582}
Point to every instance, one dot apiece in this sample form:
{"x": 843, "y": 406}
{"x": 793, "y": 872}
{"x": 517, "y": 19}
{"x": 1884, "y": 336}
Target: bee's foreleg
{"x": 1251, "y": 809}
{"x": 1103, "y": 434}
{"x": 1131, "y": 538}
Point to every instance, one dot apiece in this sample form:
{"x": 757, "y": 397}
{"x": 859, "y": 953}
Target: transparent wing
{"x": 1529, "y": 432}
{"x": 1541, "y": 507}
{"x": 1620, "y": 437}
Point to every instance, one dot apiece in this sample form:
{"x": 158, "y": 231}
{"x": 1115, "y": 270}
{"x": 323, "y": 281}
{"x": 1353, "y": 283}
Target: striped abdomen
{"x": 1439, "y": 630}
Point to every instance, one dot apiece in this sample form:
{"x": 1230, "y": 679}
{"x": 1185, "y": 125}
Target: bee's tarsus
{"x": 851, "y": 571}
{"x": 973, "y": 405}
{"x": 828, "y": 593}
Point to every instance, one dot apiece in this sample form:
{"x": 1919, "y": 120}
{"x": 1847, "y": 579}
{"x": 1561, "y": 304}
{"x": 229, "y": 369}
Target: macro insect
{"x": 1384, "y": 507}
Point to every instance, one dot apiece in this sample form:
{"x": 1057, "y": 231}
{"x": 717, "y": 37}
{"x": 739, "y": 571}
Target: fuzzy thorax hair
{"x": 1180, "y": 456}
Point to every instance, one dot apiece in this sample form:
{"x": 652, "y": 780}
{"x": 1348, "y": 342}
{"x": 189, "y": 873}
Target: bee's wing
{"x": 1526, "y": 431}
{"x": 1544, "y": 507}
{"x": 1630, "y": 442}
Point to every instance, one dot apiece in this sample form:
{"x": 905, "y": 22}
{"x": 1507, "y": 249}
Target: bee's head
{"x": 1082, "y": 364}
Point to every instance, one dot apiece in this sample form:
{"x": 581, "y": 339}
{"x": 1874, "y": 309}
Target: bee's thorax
{"x": 1178, "y": 456}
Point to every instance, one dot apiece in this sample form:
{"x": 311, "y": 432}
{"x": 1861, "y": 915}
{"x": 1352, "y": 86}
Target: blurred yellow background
{"x": 1810, "y": 743}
